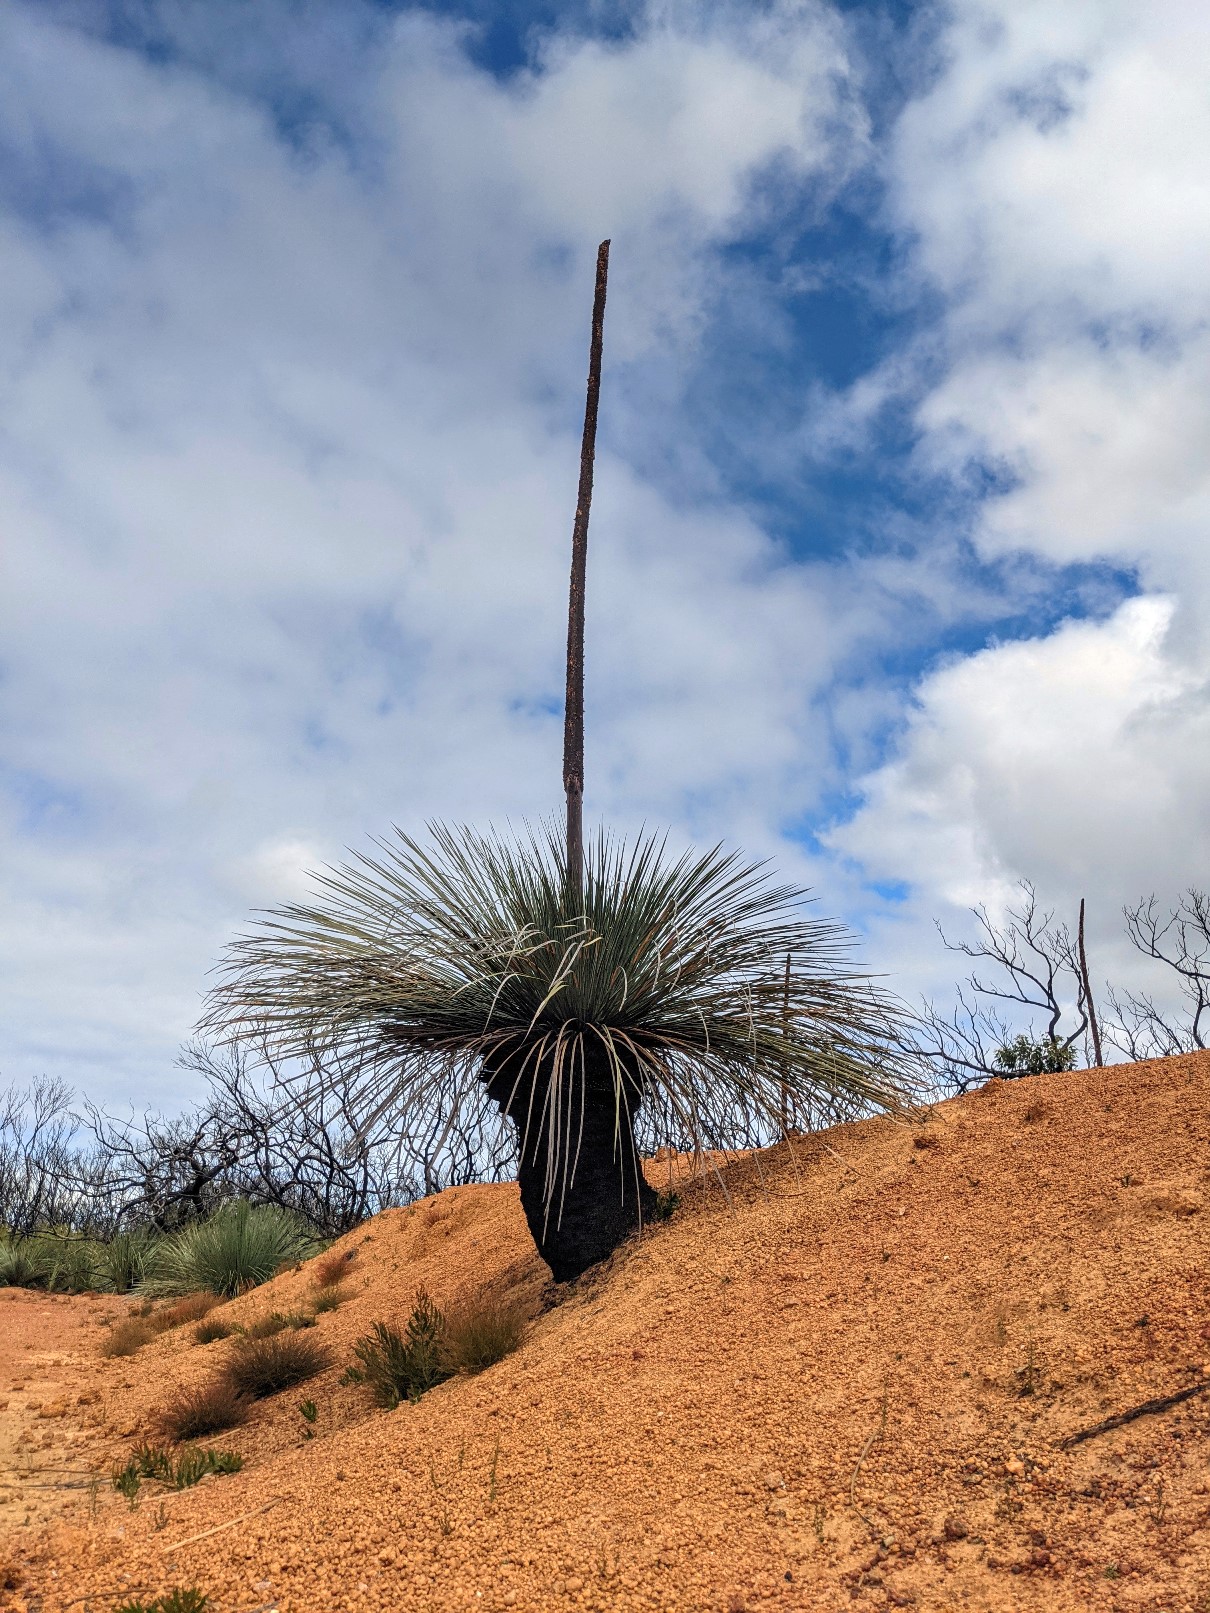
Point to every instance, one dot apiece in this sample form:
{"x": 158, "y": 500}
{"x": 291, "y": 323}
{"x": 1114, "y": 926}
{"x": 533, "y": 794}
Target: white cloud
{"x": 288, "y": 471}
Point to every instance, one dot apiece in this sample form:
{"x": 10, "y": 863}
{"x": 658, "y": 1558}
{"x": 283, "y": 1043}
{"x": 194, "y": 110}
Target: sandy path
{"x": 844, "y": 1386}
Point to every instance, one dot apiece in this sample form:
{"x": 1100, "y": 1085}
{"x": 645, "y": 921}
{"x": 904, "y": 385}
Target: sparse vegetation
{"x": 330, "y": 1268}
{"x": 152, "y": 1463}
{"x": 261, "y": 1367}
{"x": 212, "y": 1329}
{"x": 184, "y": 1599}
{"x": 125, "y": 1338}
{"x": 329, "y": 1298}
{"x": 237, "y": 1248}
{"x": 434, "y": 1346}
{"x": 274, "y": 1322}
{"x": 480, "y": 1332}
{"x": 208, "y": 1408}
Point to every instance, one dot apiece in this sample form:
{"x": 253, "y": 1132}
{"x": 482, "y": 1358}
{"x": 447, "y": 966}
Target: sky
{"x": 898, "y": 569}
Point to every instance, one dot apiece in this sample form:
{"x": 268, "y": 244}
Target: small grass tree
{"x": 568, "y": 987}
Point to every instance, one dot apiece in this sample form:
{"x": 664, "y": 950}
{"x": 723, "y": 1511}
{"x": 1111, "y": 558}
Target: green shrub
{"x": 121, "y": 1263}
{"x": 195, "y": 1464}
{"x": 329, "y": 1298}
{"x": 403, "y": 1367}
{"x": 68, "y": 1260}
{"x": 260, "y": 1367}
{"x": 20, "y": 1264}
{"x": 1024, "y": 1056}
{"x": 239, "y": 1247}
{"x": 208, "y": 1408}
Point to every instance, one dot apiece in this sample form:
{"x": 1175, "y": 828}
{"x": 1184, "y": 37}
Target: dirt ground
{"x": 838, "y": 1380}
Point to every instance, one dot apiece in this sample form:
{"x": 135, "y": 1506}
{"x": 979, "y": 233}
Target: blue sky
{"x": 898, "y": 562}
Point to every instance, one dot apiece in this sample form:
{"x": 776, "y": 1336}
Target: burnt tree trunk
{"x": 585, "y": 1200}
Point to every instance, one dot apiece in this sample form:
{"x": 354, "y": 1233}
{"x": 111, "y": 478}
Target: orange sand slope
{"x": 842, "y": 1383}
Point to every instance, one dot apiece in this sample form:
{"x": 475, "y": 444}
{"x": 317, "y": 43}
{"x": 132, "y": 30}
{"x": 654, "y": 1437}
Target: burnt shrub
{"x": 260, "y": 1367}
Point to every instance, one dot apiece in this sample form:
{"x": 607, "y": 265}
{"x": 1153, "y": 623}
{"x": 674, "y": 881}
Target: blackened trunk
{"x": 582, "y": 1188}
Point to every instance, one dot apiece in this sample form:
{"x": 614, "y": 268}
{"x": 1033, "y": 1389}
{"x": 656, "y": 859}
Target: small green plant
{"x": 181, "y": 1600}
{"x": 239, "y": 1247}
{"x": 196, "y": 1463}
{"x": 260, "y": 1367}
{"x": 1111, "y": 1571}
{"x": 127, "y": 1481}
{"x": 154, "y": 1463}
{"x": 122, "y": 1262}
{"x": 667, "y": 1203}
{"x": 329, "y": 1298}
{"x": 308, "y": 1410}
{"x": 208, "y": 1408}
{"x": 1024, "y": 1056}
{"x": 398, "y": 1368}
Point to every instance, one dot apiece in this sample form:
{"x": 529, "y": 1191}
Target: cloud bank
{"x": 292, "y": 359}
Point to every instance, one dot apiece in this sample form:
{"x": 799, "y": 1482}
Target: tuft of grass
{"x": 330, "y": 1268}
{"x": 260, "y": 1367}
{"x": 214, "y": 1327}
{"x": 125, "y": 1338}
{"x": 153, "y": 1462}
{"x": 208, "y": 1408}
{"x": 266, "y": 1327}
{"x": 190, "y": 1308}
{"x": 63, "y": 1263}
{"x": 239, "y": 1247}
{"x": 480, "y": 1332}
{"x": 329, "y": 1298}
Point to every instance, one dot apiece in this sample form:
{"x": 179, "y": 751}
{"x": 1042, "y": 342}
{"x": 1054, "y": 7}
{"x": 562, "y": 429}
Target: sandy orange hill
{"x": 841, "y": 1383}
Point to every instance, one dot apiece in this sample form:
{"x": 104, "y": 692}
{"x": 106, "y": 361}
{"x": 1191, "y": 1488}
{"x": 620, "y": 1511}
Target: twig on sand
{"x": 219, "y": 1527}
{"x": 865, "y": 1451}
{"x": 1149, "y": 1408}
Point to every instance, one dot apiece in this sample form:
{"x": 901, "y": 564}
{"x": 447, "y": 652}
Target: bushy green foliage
{"x": 260, "y": 1367}
{"x": 122, "y": 1262}
{"x": 239, "y": 1247}
{"x": 64, "y": 1264}
{"x": 20, "y": 1264}
{"x": 1025, "y": 1056}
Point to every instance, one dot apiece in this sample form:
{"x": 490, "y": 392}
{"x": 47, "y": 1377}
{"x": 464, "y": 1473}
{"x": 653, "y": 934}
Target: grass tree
{"x": 573, "y": 989}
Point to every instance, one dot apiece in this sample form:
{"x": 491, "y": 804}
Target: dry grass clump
{"x": 266, "y": 1327}
{"x": 214, "y": 1327}
{"x": 481, "y": 1331}
{"x": 127, "y": 1337}
{"x": 208, "y": 1408}
{"x": 260, "y": 1367}
{"x": 330, "y": 1268}
{"x": 147, "y": 1323}
{"x": 190, "y": 1308}
{"x": 329, "y": 1298}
